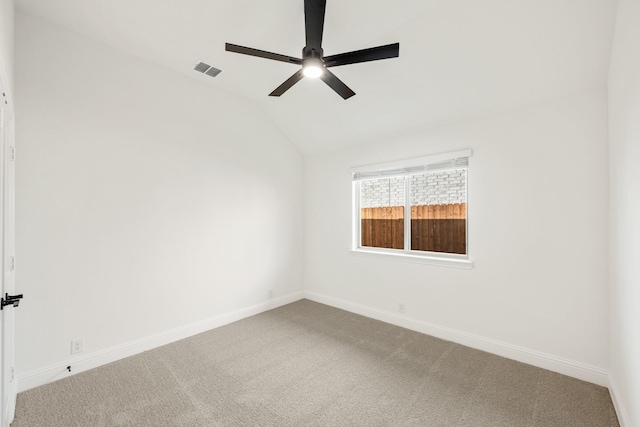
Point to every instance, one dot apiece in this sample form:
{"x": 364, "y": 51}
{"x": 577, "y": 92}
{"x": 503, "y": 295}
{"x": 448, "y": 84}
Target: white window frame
{"x": 406, "y": 254}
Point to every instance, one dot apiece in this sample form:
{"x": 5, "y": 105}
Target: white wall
{"x": 7, "y": 40}
{"x": 624, "y": 176}
{"x": 538, "y": 232}
{"x": 145, "y": 200}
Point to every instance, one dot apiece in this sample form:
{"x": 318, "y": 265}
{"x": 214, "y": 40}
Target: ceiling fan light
{"x": 312, "y": 70}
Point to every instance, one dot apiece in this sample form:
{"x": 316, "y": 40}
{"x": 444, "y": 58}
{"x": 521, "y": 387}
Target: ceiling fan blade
{"x": 287, "y": 84}
{"x": 364, "y": 55}
{"x": 314, "y": 23}
{"x": 261, "y": 53}
{"x": 336, "y": 84}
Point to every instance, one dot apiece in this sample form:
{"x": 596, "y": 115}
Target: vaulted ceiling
{"x": 458, "y": 58}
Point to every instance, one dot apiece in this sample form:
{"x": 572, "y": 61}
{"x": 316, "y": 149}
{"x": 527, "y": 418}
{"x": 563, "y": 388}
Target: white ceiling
{"x": 458, "y": 58}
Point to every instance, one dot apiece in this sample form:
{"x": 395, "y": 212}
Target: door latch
{"x": 13, "y": 300}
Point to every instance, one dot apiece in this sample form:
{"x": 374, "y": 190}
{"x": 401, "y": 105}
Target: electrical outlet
{"x": 77, "y": 346}
{"x": 400, "y": 307}
{"x": 270, "y": 293}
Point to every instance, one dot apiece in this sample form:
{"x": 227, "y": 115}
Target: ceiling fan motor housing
{"x": 312, "y": 53}
{"x": 312, "y": 58}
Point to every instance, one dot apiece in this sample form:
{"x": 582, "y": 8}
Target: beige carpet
{"x": 307, "y": 364}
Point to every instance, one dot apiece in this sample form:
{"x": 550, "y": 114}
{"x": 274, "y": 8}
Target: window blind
{"x": 457, "y": 163}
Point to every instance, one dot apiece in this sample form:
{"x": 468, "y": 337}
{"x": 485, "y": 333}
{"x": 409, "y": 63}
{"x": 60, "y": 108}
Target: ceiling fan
{"x": 314, "y": 63}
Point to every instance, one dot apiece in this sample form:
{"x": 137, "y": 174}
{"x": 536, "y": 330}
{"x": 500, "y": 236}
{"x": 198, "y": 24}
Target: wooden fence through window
{"x": 383, "y": 227}
{"x": 434, "y": 228}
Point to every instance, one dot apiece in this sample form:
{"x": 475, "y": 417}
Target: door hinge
{"x": 13, "y": 374}
{"x": 12, "y": 153}
{"x": 12, "y": 263}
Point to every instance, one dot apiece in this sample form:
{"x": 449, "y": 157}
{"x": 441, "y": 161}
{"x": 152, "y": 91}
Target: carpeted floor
{"x": 306, "y": 364}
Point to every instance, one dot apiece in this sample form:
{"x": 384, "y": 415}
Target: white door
{"x": 7, "y": 250}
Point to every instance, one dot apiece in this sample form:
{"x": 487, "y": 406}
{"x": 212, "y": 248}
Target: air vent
{"x": 204, "y": 68}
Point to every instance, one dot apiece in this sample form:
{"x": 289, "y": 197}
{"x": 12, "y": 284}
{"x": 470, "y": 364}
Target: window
{"x": 415, "y": 209}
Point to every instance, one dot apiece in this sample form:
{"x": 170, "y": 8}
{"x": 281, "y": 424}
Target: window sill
{"x": 420, "y": 259}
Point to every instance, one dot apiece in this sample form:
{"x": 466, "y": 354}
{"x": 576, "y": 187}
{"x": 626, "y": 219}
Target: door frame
{"x": 8, "y": 389}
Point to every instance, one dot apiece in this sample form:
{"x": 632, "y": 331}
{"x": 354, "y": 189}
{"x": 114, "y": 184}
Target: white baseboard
{"x": 623, "y": 415}
{"x": 563, "y": 366}
{"x": 58, "y": 371}
{"x": 560, "y": 365}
